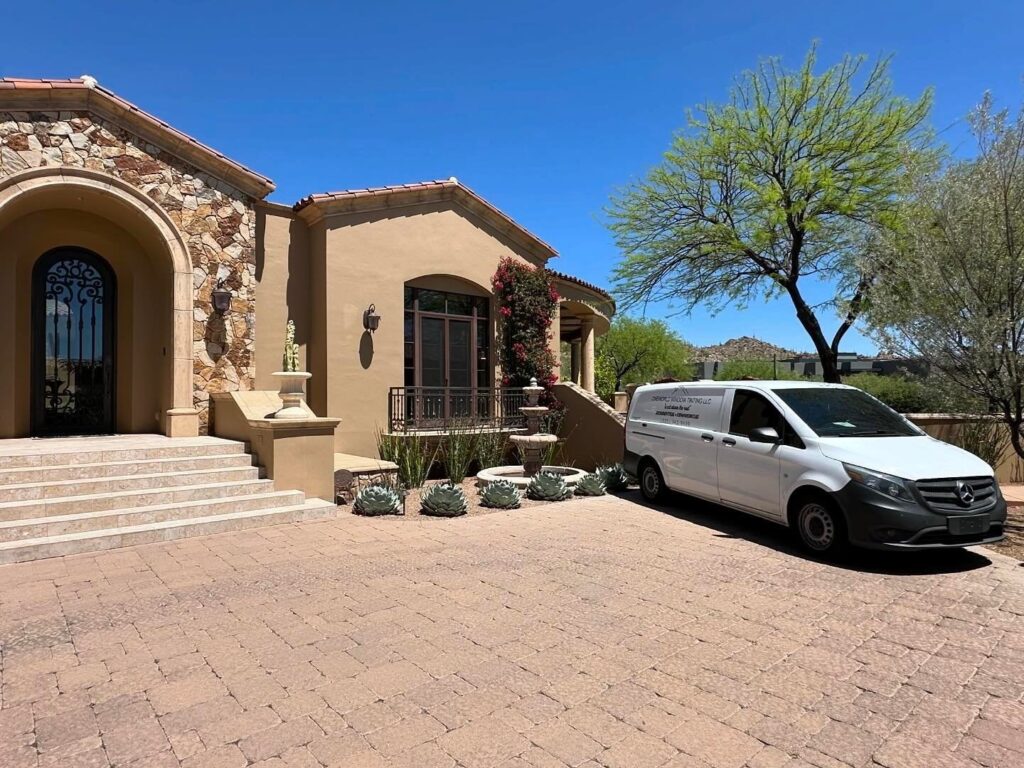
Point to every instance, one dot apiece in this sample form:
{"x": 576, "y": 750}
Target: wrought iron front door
{"x": 73, "y": 303}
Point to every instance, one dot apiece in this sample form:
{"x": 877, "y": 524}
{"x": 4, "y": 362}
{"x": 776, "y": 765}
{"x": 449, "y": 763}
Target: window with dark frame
{"x": 447, "y": 339}
{"x": 752, "y": 410}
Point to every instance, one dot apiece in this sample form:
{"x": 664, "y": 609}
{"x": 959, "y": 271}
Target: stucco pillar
{"x": 587, "y": 356}
{"x": 574, "y": 361}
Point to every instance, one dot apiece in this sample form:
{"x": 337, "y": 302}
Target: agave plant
{"x": 590, "y": 485}
{"x": 377, "y": 499}
{"x": 444, "y": 500}
{"x": 500, "y": 494}
{"x": 547, "y": 486}
{"x": 614, "y": 477}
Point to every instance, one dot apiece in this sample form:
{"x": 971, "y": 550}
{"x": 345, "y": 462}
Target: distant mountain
{"x": 743, "y": 348}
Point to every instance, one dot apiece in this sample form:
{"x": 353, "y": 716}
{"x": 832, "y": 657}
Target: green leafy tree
{"x": 779, "y": 185}
{"x": 954, "y": 288}
{"x": 635, "y": 351}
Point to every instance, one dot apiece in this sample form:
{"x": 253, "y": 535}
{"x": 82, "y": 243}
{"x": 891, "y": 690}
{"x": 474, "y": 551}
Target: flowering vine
{"x": 528, "y": 301}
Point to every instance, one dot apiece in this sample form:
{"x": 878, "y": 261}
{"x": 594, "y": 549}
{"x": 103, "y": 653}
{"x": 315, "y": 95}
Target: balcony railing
{"x": 437, "y": 408}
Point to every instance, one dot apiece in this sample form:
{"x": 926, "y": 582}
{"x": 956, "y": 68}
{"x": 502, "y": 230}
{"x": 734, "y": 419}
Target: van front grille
{"x": 958, "y": 495}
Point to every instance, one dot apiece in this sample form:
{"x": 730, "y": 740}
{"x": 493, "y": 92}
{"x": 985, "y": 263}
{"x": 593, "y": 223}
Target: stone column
{"x": 574, "y": 361}
{"x": 587, "y": 358}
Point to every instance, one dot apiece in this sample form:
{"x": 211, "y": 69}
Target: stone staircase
{"x": 69, "y": 495}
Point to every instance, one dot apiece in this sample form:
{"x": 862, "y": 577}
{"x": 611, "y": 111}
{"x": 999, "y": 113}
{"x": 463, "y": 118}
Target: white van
{"x": 826, "y": 459}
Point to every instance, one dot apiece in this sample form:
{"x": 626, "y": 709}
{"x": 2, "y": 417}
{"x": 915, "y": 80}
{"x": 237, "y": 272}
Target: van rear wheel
{"x": 821, "y": 526}
{"x": 652, "y": 484}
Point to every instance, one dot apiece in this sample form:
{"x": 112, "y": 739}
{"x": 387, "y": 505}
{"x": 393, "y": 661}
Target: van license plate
{"x": 960, "y": 526}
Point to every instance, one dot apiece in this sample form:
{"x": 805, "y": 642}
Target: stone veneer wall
{"x": 217, "y": 221}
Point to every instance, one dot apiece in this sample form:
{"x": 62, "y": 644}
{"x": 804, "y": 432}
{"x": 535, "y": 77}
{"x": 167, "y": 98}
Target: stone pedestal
{"x": 293, "y": 394}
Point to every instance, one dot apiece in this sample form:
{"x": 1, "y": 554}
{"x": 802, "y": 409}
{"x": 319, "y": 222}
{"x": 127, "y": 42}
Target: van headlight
{"x": 879, "y": 481}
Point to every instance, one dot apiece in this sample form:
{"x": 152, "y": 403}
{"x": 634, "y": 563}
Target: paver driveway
{"x": 591, "y": 633}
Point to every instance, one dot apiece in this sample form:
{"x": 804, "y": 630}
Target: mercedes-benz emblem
{"x": 964, "y": 492}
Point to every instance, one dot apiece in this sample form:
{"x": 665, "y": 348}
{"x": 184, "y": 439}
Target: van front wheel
{"x": 652, "y": 484}
{"x": 821, "y": 526}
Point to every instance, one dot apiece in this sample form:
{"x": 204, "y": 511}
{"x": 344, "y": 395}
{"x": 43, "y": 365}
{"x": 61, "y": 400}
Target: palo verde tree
{"x": 954, "y": 288}
{"x": 635, "y": 351}
{"x": 779, "y": 185}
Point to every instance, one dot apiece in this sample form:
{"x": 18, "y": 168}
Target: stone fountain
{"x": 532, "y": 445}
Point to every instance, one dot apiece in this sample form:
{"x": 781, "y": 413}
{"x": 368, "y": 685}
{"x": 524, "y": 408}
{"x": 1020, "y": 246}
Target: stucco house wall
{"x": 368, "y": 258}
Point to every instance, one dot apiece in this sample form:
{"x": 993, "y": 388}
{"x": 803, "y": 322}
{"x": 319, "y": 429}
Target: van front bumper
{"x": 877, "y": 521}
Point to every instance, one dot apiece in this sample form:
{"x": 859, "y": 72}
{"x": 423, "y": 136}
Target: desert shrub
{"x": 412, "y": 453}
{"x": 766, "y": 370}
{"x": 988, "y": 439}
{"x": 905, "y": 394}
{"x": 457, "y": 449}
{"x": 491, "y": 448}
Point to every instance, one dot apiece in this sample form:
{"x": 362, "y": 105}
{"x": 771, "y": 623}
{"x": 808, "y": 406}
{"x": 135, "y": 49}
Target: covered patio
{"x": 584, "y": 313}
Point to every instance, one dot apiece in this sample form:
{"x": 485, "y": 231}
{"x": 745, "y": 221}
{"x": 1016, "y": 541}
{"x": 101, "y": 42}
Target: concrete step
{"x": 169, "y": 530}
{"x": 60, "y": 488}
{"x": 67, "y": 505}
{"x": 40, "y": 527}
{"x": 58, "y": 472}
{"x": 45, "y": 453}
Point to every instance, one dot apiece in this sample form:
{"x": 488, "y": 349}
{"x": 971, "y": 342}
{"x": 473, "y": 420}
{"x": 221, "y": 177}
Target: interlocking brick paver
{"x": 517, "y": 639}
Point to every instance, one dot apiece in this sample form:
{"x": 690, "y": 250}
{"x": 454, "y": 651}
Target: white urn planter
{"x": 293, "y": 392}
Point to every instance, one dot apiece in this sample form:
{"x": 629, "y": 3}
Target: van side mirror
{"x": 764, "y": 435}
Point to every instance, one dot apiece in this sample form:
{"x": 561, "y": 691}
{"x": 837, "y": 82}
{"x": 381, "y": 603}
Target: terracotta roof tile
{"x": 584, "y": 284}
{"x": 407, "y": 192}
{"x": 261, "y": 184}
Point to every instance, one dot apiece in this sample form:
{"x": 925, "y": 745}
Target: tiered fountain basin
{"x": 518, "y": 477}
{"x": 532, "y": 446}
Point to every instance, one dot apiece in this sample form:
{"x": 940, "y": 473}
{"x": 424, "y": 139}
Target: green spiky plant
{"x": 444, "y": 500}
{"x": 457, "y": 448}
{"x": 290, "y": 361}
{"x": 491, "y": 448}
{"x": 547, "y": 486}
{"x": 614, "y": 477}
{"x": 590, "y": 485}
{"x": 500, "y": 494}
{"x": 377, "y": 499}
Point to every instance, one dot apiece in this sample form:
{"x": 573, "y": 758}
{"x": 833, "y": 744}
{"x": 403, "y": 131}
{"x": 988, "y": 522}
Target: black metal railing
{"x": 426, "y": 408}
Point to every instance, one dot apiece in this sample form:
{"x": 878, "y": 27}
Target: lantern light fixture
{"x": 221, "y": 298}
{"x": 371, "y": 320}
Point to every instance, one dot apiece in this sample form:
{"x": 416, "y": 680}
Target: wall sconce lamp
{"x": 371, "y": 320}
{"x": 221, "y": 298}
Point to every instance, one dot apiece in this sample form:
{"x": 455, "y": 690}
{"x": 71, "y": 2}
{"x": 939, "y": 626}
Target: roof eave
{"x": 108, "y": 105}
{"x": 315, "y": 208}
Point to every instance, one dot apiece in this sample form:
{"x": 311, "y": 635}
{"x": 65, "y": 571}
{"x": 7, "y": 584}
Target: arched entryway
{"x": 74, "y": 307}
{"x": 44, "y": 212}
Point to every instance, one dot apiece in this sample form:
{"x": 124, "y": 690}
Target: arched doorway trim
{"x": 181, "y": 418}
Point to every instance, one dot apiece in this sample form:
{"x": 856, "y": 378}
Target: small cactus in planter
{"x": 501, "y": 494}
{"x": 377, "y": 499}
{"x": 290, "y": 360}
{"x": 444, "y": 500}
{"x": 547, "y": 486}
{"x": 590, "y": 485}
{"x": 614, "y": 477}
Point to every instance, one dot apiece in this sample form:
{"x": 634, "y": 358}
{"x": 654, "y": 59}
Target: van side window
{"x": 750, "y": 411}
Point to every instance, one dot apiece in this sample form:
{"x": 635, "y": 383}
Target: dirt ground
{"x": 1013, "y": 545}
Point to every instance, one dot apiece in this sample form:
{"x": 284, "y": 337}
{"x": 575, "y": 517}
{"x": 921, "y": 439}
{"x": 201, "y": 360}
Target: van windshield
{"x": 845, "y": 413}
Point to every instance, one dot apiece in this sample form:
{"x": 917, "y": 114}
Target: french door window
{"x": 447, "y": 350}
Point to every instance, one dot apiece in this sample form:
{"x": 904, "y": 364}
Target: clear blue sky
{"x": 542, "y": 107}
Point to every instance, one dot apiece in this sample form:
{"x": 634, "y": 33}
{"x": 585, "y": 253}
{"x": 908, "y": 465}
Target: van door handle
{"x": 707, "y": 438}
{"x": 728, "y": 441}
